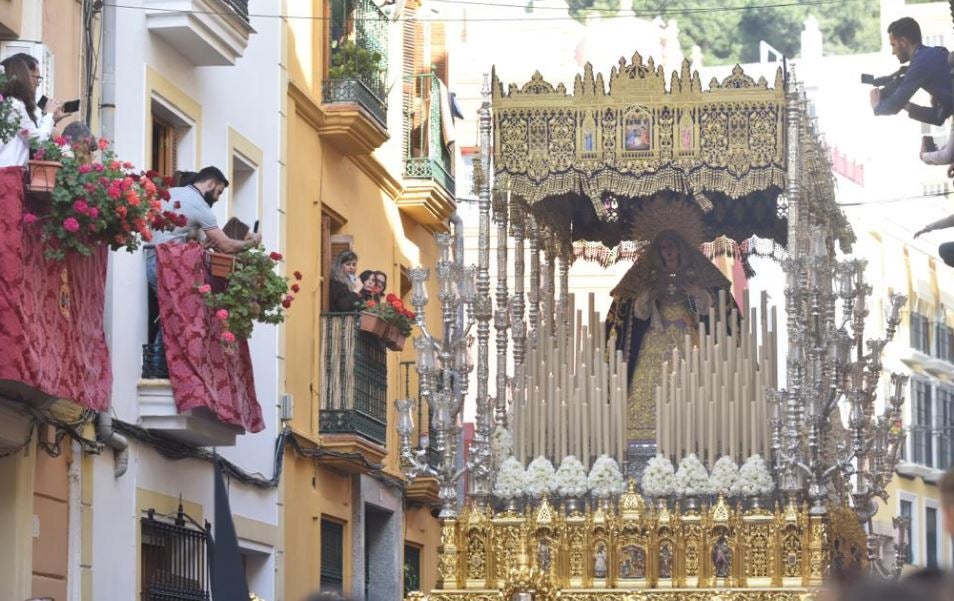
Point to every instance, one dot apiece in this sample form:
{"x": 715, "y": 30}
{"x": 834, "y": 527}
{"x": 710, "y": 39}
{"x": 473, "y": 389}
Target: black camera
{"x": 886, "y": 83}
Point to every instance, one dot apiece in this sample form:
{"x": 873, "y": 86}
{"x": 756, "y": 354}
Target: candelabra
{"x": 834, "y": 371}
{"x": 444, "y": 365}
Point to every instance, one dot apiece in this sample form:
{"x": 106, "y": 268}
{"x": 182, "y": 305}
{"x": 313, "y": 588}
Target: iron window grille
{"x": 174, "y": 559}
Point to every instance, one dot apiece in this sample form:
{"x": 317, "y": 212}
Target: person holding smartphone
{"x": 23, "y": 78}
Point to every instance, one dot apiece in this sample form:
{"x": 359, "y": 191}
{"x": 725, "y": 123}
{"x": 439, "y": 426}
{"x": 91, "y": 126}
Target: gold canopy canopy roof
{"x": 582, "y": 162}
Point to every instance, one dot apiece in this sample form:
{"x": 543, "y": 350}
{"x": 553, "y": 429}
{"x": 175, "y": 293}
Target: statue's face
{"x": 669, "y": 251}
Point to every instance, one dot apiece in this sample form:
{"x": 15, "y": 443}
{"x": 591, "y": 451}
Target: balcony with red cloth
{"x": 209, "y": 397}
{"x": 53, "y": 353}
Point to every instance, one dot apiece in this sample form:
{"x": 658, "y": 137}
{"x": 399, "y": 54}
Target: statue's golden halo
{"x": 659, "y": 214}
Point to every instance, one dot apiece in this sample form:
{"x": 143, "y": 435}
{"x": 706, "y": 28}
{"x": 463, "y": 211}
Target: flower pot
{"x": 41, "y": 177}
{"x": 221, "y": 265}
{"x": 393, "y": 338}
{"x": 373, "y": 324}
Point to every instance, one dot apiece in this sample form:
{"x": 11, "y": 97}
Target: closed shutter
{"x": 410, "y": 59}
{"x": 332, "y": 556}
{"x": 439, "y": 51}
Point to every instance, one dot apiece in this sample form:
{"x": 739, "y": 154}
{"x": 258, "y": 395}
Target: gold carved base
{"x": 640, "y": 595}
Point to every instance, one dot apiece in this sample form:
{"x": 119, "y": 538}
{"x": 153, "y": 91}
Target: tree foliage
{"x": 730, "y": 36}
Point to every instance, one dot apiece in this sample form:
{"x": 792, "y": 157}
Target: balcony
{"x": 353, "y": 410}
{"x": 429, "y": 194}
{"x": 208, "y": 398}
{"x": 354, "y": 93}
{"x": 207, "y": 32}
{"x": 53, "y": 355}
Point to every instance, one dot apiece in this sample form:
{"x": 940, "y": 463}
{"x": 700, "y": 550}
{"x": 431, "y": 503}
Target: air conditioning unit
{"x": 42, "y": 54}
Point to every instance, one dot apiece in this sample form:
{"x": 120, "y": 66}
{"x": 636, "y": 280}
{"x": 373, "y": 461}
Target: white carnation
{"x": 605, "y": 479}
{"x": 511, "y": 480}
{"x": 501, "y": 444}
{"x": 540, "y": 478}
{"x": 692, "y": 479}
{"x": 724, "y": 474}
{"x": 658, "y": 477}
{"x": 754, "y": 478}
{"x": 571, "y": 477}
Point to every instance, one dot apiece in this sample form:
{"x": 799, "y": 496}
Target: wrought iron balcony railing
{"x": 355, "y": 380}
{"x": 427, "y": 155}
{"x": 358, "y": 57}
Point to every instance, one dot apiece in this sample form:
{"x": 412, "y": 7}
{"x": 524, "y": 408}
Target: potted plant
{"x": 94, "y": 203}
{"x": 389, "y": 320}
{"x": 254, "y": 293}
{"x": 350, "y": 61}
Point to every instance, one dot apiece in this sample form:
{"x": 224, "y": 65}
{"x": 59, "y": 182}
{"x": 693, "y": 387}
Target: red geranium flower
{"x": 275, "y": 256}
{"x": 297, "y": 275}
{"x": 295, "y": 288}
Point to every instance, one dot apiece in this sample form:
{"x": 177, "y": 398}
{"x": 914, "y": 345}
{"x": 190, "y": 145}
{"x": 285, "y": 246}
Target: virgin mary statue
{"x": 657, "y": 303}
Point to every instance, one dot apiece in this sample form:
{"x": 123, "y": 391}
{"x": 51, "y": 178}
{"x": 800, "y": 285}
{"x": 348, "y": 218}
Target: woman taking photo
{"x": 23, "y": 78}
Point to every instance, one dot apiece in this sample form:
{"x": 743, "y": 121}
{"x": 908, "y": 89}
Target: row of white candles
{"x": 711, "y": 400}
{"x": 569, "y": 396}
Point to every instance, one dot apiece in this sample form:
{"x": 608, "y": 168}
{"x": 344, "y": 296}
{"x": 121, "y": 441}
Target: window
{"x": 944, "y": 427}
{"x": 907, "y": 512}
{"x": 930, "y": 535}
{"x": 922, "y": 424}
{"x": 412, "y": 568}
{"x": 332, "y": 556}
{"x": 173, "y": 143}
{"x": 163, "y": 148}
{"x": 332, "y": 244}
{"x": 920, "y": 333}
{"x": 243, "y": 190}
{"x": 174, "y": 561}
{"x": 944, "y": 348}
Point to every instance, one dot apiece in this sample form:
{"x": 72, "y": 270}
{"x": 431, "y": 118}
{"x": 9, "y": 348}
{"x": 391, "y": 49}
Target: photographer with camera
{"x": 928, "y": 70}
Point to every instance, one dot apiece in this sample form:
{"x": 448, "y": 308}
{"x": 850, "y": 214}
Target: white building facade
{"x": 180, "y": 91}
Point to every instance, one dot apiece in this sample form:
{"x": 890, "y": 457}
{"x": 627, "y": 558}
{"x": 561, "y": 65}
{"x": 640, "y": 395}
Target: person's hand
{"x": 875, "y": 97}
{"x": 950, "y": 170}
{"x": 923, "y": 230}
{"x": 358, "y": 286}
{"x": 55, "y": 108}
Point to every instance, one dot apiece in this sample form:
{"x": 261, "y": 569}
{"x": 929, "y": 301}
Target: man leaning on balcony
{"x": 195, "y": 202}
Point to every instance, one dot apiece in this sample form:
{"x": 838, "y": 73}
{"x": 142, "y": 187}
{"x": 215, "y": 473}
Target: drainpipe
{"x": 117, "y": 442}
{"x": 107, "y": 100}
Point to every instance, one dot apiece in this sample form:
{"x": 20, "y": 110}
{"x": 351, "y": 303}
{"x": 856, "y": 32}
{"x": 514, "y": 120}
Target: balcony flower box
{"x": 42, "y": 178}
{"x": 394, "y": 339}
{"x": 221, "y": 265}
{"x": 374, "y": 325}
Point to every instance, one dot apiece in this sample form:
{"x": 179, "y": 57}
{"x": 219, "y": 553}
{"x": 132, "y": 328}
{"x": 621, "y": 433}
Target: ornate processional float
{"x": 573, "y": 489}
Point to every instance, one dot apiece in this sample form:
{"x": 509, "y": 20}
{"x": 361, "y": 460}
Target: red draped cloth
{"x": 51, "y": 312}
{"x": 202, "y": 372}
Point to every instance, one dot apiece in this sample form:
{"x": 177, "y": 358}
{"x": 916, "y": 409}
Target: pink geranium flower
{"x": 222, "y": 314}
{"x": 29, "y": 218}
{"x": 70, "y": 224}
{"x": 228, "y": 337}
{"x": 205, "y": 289}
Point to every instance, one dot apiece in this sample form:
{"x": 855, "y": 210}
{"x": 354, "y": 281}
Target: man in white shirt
{"x": 195, "y": 203}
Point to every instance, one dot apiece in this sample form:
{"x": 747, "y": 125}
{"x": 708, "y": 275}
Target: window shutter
{"x": 439, "y": 51}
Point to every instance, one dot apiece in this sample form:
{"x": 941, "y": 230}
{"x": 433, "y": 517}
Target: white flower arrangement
{"x": 511, "y": 480}
{"x": 571, "y": 477}
{"x": 540, "y": 478}
{"x": 501, "y": 444}
{"x": 658, "y": 477}
{"x": 605, "y": 479}
{"x": 754, "y": 478}
{"x": 692, "y": 479}
{"x": 724, "y": 474}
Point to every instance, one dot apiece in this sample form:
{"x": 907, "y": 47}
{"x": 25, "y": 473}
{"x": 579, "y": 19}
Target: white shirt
{"x": 16, "y": 152}
{"x": 944, "y": 155}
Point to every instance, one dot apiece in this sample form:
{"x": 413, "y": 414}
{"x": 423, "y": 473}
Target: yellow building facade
{"x": 348, "y": 182}
{"x": 921, "y": 350}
